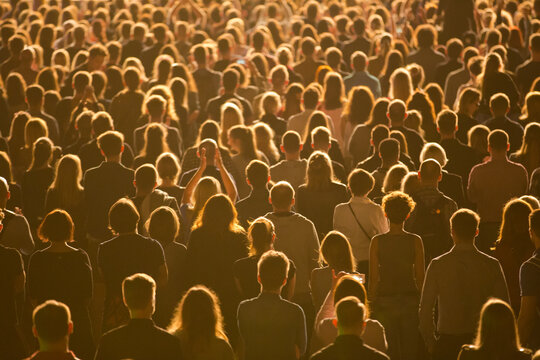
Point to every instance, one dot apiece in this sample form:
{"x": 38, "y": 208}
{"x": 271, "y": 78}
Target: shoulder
{"x": 468, "y": 352}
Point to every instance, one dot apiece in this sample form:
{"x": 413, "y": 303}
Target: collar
{"x": 268, "y": 295}
{"x": 53, "y": 355}
{"x": 360, "y": 200}
{"x": 141, "y": 322}
{"x": 349, "y": 338}
{"x": 464, "y": 247}
{"x": 283, "y": 213}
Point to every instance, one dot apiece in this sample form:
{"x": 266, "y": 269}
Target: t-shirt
{"x": 11, "y": 266}
{"x": 529, "y": 278}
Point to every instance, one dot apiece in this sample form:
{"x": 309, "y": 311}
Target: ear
{"x": 134, "y": 183}
{"x": 507, "y": 147}
{"x": 270, "y": 200}
{"x": 301, "y": 147}
{"x": 259, "y": 279}
{"x": 122, "y": 149}
{"x": 282, "y": 148}
{"x": 247, "y": 180}
{"x": 70, "y": 328}
{"x": 334, "y": 322}
{"x": 155, "y": 185}
{"x": 312, "y": 146}
{"x": 293, "y": 202}
{"x": 198, "y": 154}
{"x": 34, "y": 331}
{"x": 102, "y": 153}
{"x": 8, "y": 195}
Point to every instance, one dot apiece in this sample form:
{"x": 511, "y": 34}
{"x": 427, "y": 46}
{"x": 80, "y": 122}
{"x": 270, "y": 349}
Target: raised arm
{"x": 190, "y": 187}
{"x": 230, "y": 188}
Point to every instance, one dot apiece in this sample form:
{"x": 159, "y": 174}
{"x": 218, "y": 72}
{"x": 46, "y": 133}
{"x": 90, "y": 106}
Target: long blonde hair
{"x": 204, "y": 190}
{"x": 264, "y": 140}
{"x": 319, "y": 171}
{"x": 67, "y": 181}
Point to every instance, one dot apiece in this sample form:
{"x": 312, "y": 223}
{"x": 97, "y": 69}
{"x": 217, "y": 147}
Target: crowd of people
{"x": 270, "y": 180}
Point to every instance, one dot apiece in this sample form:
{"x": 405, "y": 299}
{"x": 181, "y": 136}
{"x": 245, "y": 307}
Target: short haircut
{"x": 51, "y": 320}
{"x": 310, "y": 97}
{"x": 146, "y": 177}
{"x": 397, "y": 110}
{"x": 163, "y": 225}
{"x": 454, "y": 48}
{"x": 230, "y": 79}
{"x": 397, "y": 206}
{"x": 81, "y": 80}
{"x": 534, "y": 222}
{"x": 430, "y": 170}
{"x": 111, "y": 143}
{"x": 97, "y": 50}
{"x": 282, "y": 195}
{"x": 34, "y": 94}
{"x": 200, "y": 53}
{"x": 359, "y": 61}
{"x": 132, "y": 78}
{"x": 156, "y": 105}
{"x": 272, "y": 269}
{"x": 447, "y": 121}
{"x": 379, "y": 133}
{"x": 291, "y": 142}
{"x": 308, "y": 46}
{"x": 464, "y": 223}
{"x": 210, "y": 146}
{"x": 321, "y": 136}
{"x": 123, "y": 216}
{"x": 139, "y": 291}
{"x": 499, "y": 103}
{"x": 389, "y": 149}
{"x": 167, "y": 166}
{"x": 534, "y": 42}
{"x": 257, "y": 173}
{"x": 350, "y": 312}
{"x": 361, "y": 182}
{"x": 425, "y": 35}
{"x": 498, "y": 140}
{"x": 57, "y": 226}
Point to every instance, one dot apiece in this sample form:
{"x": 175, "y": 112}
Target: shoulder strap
{"x": 358, "y": 222}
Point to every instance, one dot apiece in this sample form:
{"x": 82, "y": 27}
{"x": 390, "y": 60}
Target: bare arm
{"x": 226, "y": 177}
{"x": 190, "y": 187}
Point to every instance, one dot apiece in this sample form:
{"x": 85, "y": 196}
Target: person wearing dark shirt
{"x": 309, "y": 65}
{"x": 527, "y": 72}
{"x": 529, "y": 279}
{"x": 140, "y": 338}
{"x": 359, "y": 43}
{"x": 124, "y": 255}
{"x": 454, "y": 47}
{"x": 149, "y": 55}
{"x": 257, "y": 203}
{"x": 207, "y": 80}
{"x": 261, "y": 235}
{"x": 459, "y": 17}
{"x": 469, "y": 102}
{"x": 351, "y": 323}
{"x": 495, "y": 80}
{"x": 134, "y": 46}
{"x": 321, "y": 141}
{"x": 96, "y": 59}
{"x": 62, "y": 272}
{"x": 397, "y": 112}
{"x": 271, "y": 327}
{"x": 34, "y": 99}
{"x": 426, "y": 56}
{"x": 270, "y": 106}
{"x": 500, "y": 105}
{"x": 230, "y": 83}
{"x": 105, "y": 184}
{"x": 224, "y": 49}
{"x": 52, "y": 326}
{"x": 12, "y": 279}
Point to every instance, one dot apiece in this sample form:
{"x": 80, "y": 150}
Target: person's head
{"x": 336, "y": 252}
{"x": 272, "y": 270}
{"x": 497, "y": 330}
{"x": 478, "y": 138}
{"x": 230, "y": 80}
{"x": 350, "y": 285}
{"x": 282, "y": 196}
{"x": 447, "y": 123}
{"x": 145, "y": 179}
{"x": 139, "y": 294}
{"x": 132, "y": 78}
{"x": 270, "y": 103}
{"x": 34, "y": 96}
{"x": 351, "y": 316}
{"x": 397, "y": 111}
{"x": 41, "y": 153}
{"x": 163, "y": 225}
{"x": 156, "y": 106}
{"x": 397, "y": 207}
{"x": 310, "y": 97}
{"x": 308, "y": 46}
{"x": 378, "y": 134}
{"x": 389, "y": 151}
{"x": 359, "y": 61}
{"x": 360, "y": 182}
{"x": 231, "y": 115}
{"x": 394, "y": 177}
{"x": 534, "y": 227}
{"x": 198, "y": 317}
{"x": 514, "y": 228}
{"x": 96, "y": 56}
{"x": 321, "y": 139}
{"x": 426, "y": 36}
{"x": 257, "y": 174}
{"x": 210, "y": 147}
{"x": 291, "y": 143}
{"x": 464, "y": 226}
{"x": 430, "y": 173}
{"x": 242, "y": 140}
{"x": 111, "y": 144}
{"x": 168, "y": 167}
{"x": 434, "y": 151}
{"x": 56, "y": 227}
{"x": 454, "y": 48}
{"x": 52, "y": 324}
{"x": 469, "y": 101}
{"x": 123, "y": 217}
{"x": 319, "y": 171}
{"x": 499, "y": 104}
{"x": 359, "y": 105}
{"x": 218, "y": 214}
{"x": 261, "y": 235}
{"x": 498, "y": 142}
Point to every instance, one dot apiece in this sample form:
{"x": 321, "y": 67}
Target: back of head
{"x": 291, "y": 142}
{"x": 111, "y": 143}
{"x": 52, "y": 321}
{"x": 498, "y": 140}
{"x": 499, "y": 104}
{"x": 261, "y": 233}
{"x": 123, "y": 217}
{"x": 447, "y": 122}
{"x": 337, "y": 253}
{"x": 360, "y": 182}
{"x": 218, "y": 214}
{"x": 397, "y": 110}
{"x": 132, "y": 78}
{"x": 378, "y": 134}
{"x": 34, "y": 95}
{"x": 310, "y": 97}
{"x": 397, "y": 206}
{"x": 139, "y": 291}
{"x": 156, "y": 105}
{"x": 101, "y": 122}
{"x": 497, "y": 330}
{"x": 272, "y": 270}
{"x": 257, "y": 173}
{"x": 534, "y": 222}
{"x": 167, "y": 166}
{"x": 210, "y": 146}
{"x": 146, "y": 177}
{"x": 425, "y": 36}
{"x": 350, "y": 313}
{"x": 57, "y": 226}
{"x": 389, "y": 150}
{"x": 81, "y": 80}
{"x": 430, "y": 171}
{"x": 464, "y": 224}
{"x": 350, "y": 285}
{"x": 359, "y": 61}
{"x": 163, "y": 225}
{"x": 282, "y": 195}
{"x": 230, "y": 80}
{"x": 320, "y": 137}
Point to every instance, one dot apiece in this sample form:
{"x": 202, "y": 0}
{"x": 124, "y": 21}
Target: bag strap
{"x": 358, "y": 222}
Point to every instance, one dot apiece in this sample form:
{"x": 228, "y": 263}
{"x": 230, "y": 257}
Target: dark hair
{"x": 51, "y": 320}
{"x": 230, "y": 79}
{"x": 350, "y": 312}
{"x": 310, "y": 97}
{"x": 464, "y": 223}
{"x": 57, "y": 226}
{"x": 111, "y": 143}
{"x": 163, "y": 225}
{"x": 336, "y": 252}
{"x": 139, "y": 291}
{"x": 291, "y": 141}
{"x": 219, "y": 215}
{"x": 282, "y": 195}
{"x": 534, "y": 222}
{"x": 146, "y": 177}
{"x": 389, "y": 149}
{"x": 360, "y": 182}
{"x": 272, "y": 269}
{"x": 397, "y": 206}
{"x": 447, "y": 122}
{"x": 257, "y": 173}
{"x": 123, "y": 217}
{"x": 261, "y": 233}
{"x": 349, "y": 285}
{"x": 498, "y": 140}
{"x": 514, "y": 230}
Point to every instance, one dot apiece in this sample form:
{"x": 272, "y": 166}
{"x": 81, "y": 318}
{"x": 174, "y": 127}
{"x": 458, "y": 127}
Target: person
{"x": 529, "y": 278}
{"x": 271, "y": 327}
{"x": 309, "y": 64}
{"x": 495, "y": 81}
{"x": 322, "y": 141}
{"x": 164, "y": 227}
{"x": 360, "y": 42}
{"x": 198, "y": 324}
{"x": 317, "y": 198}
{"x": 529, "y": 70}
{"x": 52, "y": 326}
{"x": 514, "y": 246}
{"x": 468, "y": 104}
{"x": 431, "y": 218}
{"x": 62, "y": 272}
{"x": 168, "y": 169}
{"x": 104, "y": 185}
{"x": 215, "y": 243}
{"x": 206, "y": 79}
{"x": 497, "y": 335}
{"x": 499, "y": 106}
{"x": 310, "y": 99}
{"x": 256, "y": 204}
{"x": 34, "y": 99}
{"x": 397, "y": 112}
{"x": 396, "y": 274}
{"x": 351, "y": 320}
{"x": 360, "y": 219}
{"x": 16, "y": 231}
{"x": 292, "y": 169}
{"x": 140, "y": 338}
{"x": 527, "y": 154}
{"x": 459, "y": 281}
{"x": 229, "y": 83}
{"x": 270, "y": 105}
{"x": 148, "y": 197}
{"x": 454, "y": 48}
{"x": 426, "y": 56}
{"x": 126, "y": 254}
{"x": 261, "y": 235}
{"x": 490, "y": 196}
{"x": 360, "y": 76}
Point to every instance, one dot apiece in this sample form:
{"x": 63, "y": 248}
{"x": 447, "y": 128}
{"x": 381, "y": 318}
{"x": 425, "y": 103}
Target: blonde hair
{"x": 67, "y": 181}
{"x": 400, "y": 85}
{"x": 231, "y": 115}
{"x": 204, "y": 190}
{"x": 264, "y": 140}
{"x": 33, "y": 130}
{"x": 270, "y": 103}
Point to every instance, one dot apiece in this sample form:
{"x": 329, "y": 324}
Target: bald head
{"x": 430, "y": 172}
{"x": 397, "y": 112}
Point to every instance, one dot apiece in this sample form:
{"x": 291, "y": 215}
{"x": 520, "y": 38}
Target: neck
{"x": 228, "y": 92}
{"x": 430, "y": 184}
{"x": 168, "y": 182}
{"x": 388, "y": 164}
{"x": 396, "y": 123}
{"x": 281, "y": 211}
{"x": 113, "y": 159}
{"x": 292, "y": 156}
{"x": 276, "y": 291}
{"x": 34, "y": 108}
{"x": 140, "y": 314}
{"x": 143, "y": 193}
{"x": 498, "y": 155}
{"x": 355, "y": 332}
{"x": 155, "y": 119}
{"x": 201, "y": 65}
{"x": 58, "y": 245}
{"x": 396, "y": 228}
{"x": 61, "y": 346}
{"x": 448, "y": 136}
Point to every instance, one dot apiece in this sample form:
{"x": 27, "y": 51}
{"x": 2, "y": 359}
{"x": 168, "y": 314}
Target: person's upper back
{"x": 140, "y": 339}
{"x": 348, "y": 347}
{"x": 469, "y": 352}
{"x": 294, "y": 172}
{"x": 512, "y": 128}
